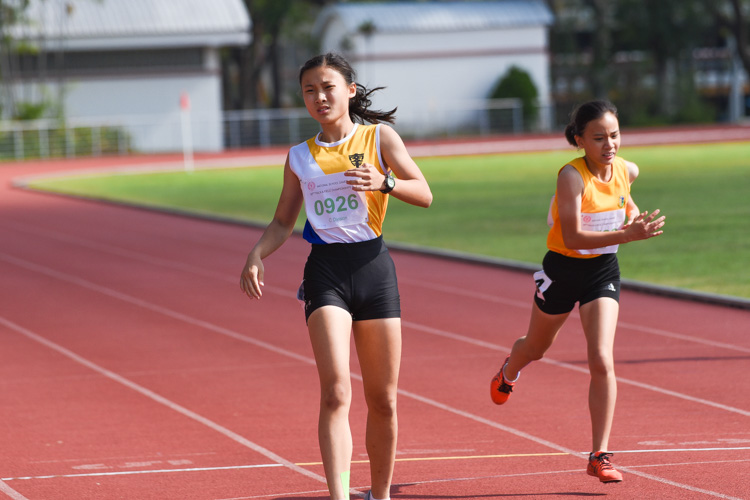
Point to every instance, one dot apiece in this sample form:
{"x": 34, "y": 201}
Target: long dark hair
{"x": 583, "y": 114}
{"x": 359, "y": 105}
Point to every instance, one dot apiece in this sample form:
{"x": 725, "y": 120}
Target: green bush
{"x": 517, "y": 83}
{"x": 59, "y": 143}
{"x": 30, "y": 110}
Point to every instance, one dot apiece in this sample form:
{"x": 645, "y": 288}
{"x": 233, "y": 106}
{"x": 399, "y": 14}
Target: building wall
{"x": 151, "y": 108}
{"x": 426, "y": 74}
{"x": 147, "y": 103}
{"x": 127, "y": 62}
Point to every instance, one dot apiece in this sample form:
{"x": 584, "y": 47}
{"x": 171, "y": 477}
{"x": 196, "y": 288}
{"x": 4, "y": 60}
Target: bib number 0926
{"x": 338, "y": 204}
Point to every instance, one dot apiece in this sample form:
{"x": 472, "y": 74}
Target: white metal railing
{"x": 119, "y": 135}
{"x": 53, "y": 138}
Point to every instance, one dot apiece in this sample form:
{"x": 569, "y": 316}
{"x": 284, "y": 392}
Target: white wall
{"x": 148, "y": 105}
{"x": 426, "y": 73}
{"x": 150, "y": 108}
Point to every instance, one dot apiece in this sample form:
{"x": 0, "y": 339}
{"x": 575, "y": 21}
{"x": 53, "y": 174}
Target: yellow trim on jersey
{"x": 314, "y": 158}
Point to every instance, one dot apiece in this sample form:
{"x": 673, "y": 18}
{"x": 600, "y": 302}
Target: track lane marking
{"x": 305, "y": 359}
{"x": 10, "y": 492}
{"x": 145, "y": 471}
{"x": 574, "y": 314}
{"x": 159, "y": 399}
{"x": 561, "y": 364}
{"x": 361, "y": 462}
{"x": 452, "y": 290}
{"x": 146, "y": 392}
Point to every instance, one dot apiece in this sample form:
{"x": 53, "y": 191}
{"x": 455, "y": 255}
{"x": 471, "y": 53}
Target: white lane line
{"x": 456, "y": 290}
{"x": 152, "y": 307}
{"x": 464, "y": 479}
{"x": 556, "y": 446}
{"x": 150, "y": 471}
{"x": 569, "y": 366}
{"x": 691, "y": 450}
{"x": 451, "y": 290}
{"x": 680, "y": 336}
{"x": 410, "y": 459}
{"x": 160, "y": 399}
{"x": 140, "y": 257}
{"x": 10, "y": 492}
{"x": 127, "y": 298}
{"x": 430, "y": 330}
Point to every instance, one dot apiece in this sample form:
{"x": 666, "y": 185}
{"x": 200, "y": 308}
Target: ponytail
{"x": 359, "y": 105}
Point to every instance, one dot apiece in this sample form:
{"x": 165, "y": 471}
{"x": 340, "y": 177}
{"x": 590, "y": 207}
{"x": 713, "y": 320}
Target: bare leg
{"x": 599, "y": 320}
{"x": 543, "y": 329}
{"x": 330, "y": 330}
{"x": 379, "y": 350}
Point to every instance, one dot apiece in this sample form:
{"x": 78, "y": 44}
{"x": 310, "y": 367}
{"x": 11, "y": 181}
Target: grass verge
{"x": 496, "y": 205}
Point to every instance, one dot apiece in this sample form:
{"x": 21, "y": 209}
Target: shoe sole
{"x": 605, "y": 481}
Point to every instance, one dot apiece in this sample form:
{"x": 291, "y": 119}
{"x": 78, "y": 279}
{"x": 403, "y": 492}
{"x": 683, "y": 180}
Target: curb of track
{"x": 548, "y": 142}
{"x": 525, "y": 267}
{"x": 513, "y": 265}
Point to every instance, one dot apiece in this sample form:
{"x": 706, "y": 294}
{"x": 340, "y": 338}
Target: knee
{"x": 335, "y": 397}
{"x": 382, "y": 404}
{"x": 601, "y": 365}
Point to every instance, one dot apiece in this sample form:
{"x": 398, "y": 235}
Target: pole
{"x": 187, "y": 132}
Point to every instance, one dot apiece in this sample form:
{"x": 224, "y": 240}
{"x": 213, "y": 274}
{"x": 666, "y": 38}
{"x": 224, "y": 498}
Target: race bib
{"x": 331, "y": 202}
{"x": 601, "y": 222}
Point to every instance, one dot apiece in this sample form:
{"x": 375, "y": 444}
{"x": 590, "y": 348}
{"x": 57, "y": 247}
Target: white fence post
{"x": 187, "y": 132}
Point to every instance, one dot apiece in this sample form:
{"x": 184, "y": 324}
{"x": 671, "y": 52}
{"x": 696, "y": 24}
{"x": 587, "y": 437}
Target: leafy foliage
{"x": 518, "y": 83}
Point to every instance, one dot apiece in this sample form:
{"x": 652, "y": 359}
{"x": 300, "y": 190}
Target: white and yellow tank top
{"x": 602, "y": 208}
{"x": 335, "y": 212}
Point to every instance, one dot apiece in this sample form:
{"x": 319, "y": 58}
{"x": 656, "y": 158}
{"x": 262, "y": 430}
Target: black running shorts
{"x": 567, "y": 280}
{"x": 357, "y": 277}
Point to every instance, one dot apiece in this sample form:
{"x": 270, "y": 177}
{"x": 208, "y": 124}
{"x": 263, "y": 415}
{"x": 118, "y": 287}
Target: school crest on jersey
{"x": 621, "y": 202}
{"x": 356, "y": 159}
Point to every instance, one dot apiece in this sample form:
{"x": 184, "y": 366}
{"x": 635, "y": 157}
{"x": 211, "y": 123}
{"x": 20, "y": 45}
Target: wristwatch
{"x": 390, "y": 183}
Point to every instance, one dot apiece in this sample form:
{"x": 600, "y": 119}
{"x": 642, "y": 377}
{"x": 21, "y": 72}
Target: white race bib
{"x": 331, "y": 202}
{"x": 602, "y": 222}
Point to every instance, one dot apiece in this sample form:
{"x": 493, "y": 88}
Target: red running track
{"x": 134, "y": 368}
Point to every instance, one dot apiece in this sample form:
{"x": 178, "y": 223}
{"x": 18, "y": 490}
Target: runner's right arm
{"x": 277, "y": 232}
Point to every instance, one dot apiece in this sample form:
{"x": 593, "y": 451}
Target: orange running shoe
{"x": 500, "y": 388}
{"x": 600, "y": 466}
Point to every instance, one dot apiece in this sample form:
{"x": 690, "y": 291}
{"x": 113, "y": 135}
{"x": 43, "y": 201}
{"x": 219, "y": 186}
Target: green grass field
{"x": 496, "y": 205}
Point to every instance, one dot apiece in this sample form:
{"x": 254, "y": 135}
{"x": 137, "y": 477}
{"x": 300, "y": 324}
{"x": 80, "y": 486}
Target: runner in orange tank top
{"x": 588, "y": 222}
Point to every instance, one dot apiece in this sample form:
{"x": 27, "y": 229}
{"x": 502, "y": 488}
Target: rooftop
{"x": 108, "y": 24}
{"x": 400, "y": 17}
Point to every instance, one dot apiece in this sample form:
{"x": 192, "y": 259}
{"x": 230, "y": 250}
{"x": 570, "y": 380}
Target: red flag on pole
{"x": 184, "y": 101}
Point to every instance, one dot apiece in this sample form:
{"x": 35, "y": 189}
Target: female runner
{"x": 344, "y": 177}
{"x": 587, "y": 215}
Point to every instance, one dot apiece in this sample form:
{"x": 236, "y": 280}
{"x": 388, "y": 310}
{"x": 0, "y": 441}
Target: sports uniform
{"x": 582, "y": 275}
{"x": 349, "y": 265}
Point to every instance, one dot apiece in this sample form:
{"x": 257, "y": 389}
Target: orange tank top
{"x": 602, "y": 208}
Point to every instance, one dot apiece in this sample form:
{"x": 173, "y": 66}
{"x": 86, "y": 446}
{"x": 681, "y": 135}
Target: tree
{"x": 11, "y": 14}
{"x": 667, "y": 30}
{"x": 601, "y": 46}
{"x": 636, "y": 52}
{"x": 733, "y": 18}
{"x": 517, "y": 83}
{"x": 269, "y": 18}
